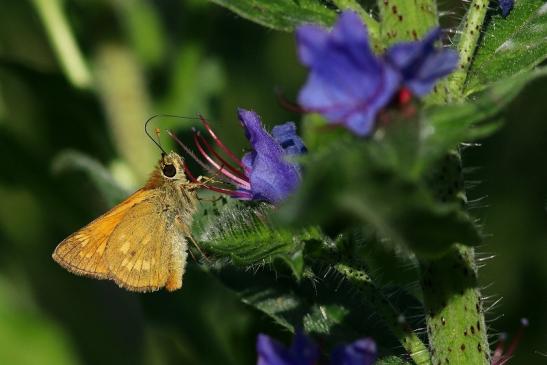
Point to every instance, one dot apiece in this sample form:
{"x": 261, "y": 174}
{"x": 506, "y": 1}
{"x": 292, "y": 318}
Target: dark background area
{"x": 183, "y": 57}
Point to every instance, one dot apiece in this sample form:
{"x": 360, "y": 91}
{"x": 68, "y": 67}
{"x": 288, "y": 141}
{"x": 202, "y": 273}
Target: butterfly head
{"x": 172, "y": 167}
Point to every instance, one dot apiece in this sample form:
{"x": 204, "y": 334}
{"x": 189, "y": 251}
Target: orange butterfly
{"x": 140, "y": 243}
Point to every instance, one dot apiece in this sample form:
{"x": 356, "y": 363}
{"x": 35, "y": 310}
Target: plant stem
{"x": 393, "y": 318}
{"x": 63, "y": 42}
{"x": 455, "y": 317}
{"x": 467, "y": 45}
{"x": 404, "y": 20}
{"x": 371, "y": 23}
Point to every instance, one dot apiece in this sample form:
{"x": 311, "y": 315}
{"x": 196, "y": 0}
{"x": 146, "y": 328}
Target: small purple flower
{"x": 271, "y": 176}
{"x": 285, "y": 135}
{"x": 360, "y": 352}
{"x": 348, "y": 84}
{"x": 506, "y": 6}
{"x": 304, "y": 351}
{"x": 265, "y": 173}
{"x": 420, "y": 64}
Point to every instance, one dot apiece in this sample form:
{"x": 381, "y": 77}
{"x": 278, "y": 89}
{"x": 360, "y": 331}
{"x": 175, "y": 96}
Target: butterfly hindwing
{"x": 83, "y": 252}
{"x": 146, "y": 251}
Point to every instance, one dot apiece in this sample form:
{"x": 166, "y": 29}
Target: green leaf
{"x": 281, "y": 14}
{"x": 241, "y": 234}
{"x": 325, "y": 305}
{"x": 510, "y": 46}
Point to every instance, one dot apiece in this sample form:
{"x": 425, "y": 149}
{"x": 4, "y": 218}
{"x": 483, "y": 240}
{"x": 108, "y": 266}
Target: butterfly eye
{"x": 169, "y": 170}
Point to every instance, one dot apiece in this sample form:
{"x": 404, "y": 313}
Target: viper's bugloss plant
{"x": 350, "y": 210}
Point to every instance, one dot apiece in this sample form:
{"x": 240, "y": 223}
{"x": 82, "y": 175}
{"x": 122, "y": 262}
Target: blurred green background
{"x": 77, "y": 81}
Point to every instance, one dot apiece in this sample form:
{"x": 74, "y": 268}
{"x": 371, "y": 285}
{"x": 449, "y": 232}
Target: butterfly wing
{"x": 83, "y": 252}
{"x": 147, "y": 250}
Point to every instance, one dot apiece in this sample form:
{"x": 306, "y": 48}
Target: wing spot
{"x": 125, "y": 247}
{"x": 145, "y": 265}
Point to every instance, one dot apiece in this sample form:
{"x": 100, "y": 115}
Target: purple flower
{"x": 506, "y": 6}
{"x": 304, "y": 351}
{"x": 348, "y": 84}
{"x": 265, "y": 173}
{"x": 285, "y": 135}
{"x": 272, "y": 177}
{"x": 360, "y": 352}
{"x": 420, "y": 64}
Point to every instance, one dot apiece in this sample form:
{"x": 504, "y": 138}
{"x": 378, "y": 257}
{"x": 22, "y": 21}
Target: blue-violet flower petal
{"x": 506, "y": 6}
{"x": 271, "y": 176}
{"x": 420, "y": 63}
{"x": 360, "y": 352}
{"x": 303, "y": 351}
{"x": 347, "y": 84}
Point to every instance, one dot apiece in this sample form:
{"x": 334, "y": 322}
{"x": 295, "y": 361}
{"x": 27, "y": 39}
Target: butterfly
{"x": 141, "y": 243}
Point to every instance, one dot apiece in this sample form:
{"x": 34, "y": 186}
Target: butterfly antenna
{"x": 150, "y": 136}
{"x": 157, "y": 134}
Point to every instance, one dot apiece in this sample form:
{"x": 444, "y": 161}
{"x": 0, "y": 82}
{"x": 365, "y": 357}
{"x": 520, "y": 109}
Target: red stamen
{"x": 219, "y": 143}
{"x": 208, "y": 187}
{"x": 220, "y": 169}
{"x": 498, "y": 352}
{"x": 499, "y": 357}
{"x": 220, "y": 158}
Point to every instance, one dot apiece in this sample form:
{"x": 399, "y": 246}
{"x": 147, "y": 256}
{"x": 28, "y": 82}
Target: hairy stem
{"x": 392, "y": 317}
{"x": 454, "y": 315}
{"x": 455, "y": 318}
{"x": 467, "y": 44}
{"x": 404, "y": 20}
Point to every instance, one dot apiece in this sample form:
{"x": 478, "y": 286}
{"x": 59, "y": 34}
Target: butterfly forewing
{"x": 83, "y": 252}
{"x": 145, "y": 252}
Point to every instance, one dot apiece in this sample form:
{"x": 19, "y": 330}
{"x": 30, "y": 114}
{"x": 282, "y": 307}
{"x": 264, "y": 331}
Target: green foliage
{"x": 329, "y": 297}
{"x": 242, "y": 235}
{"x": 510, "y": 46}
{"x": 376, "y": 192}
{"x": 282, "y": 14}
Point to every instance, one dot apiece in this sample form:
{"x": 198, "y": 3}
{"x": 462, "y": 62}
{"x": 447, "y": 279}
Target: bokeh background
{"x": 77, "y": 81}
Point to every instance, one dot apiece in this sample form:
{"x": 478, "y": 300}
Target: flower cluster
{"x": 266, "y": 173}
{"x": 303, "y": 351}
{"x": 348, "y": 84}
